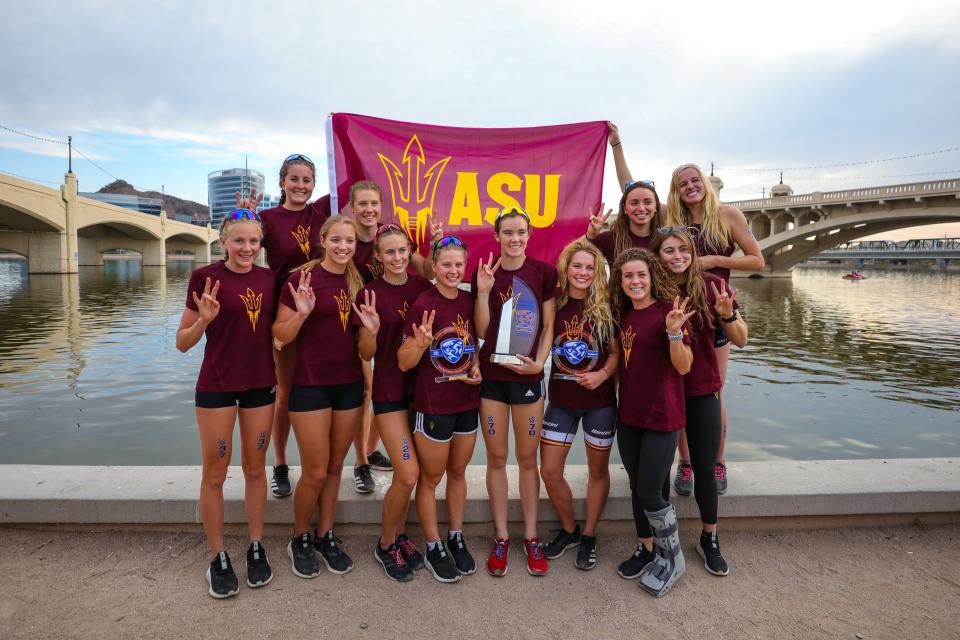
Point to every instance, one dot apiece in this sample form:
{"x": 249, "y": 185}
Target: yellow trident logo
{"x": 626, "y": 339}
{"x": 302, "y": 236}
{"x": 403, "y": 309}
{"x": 573, "y": 328}
{"x": 252, "y": 302}
{"x": 343, "y": 306}
{"x": 462, "y": 327}
{"x": 413, "y": 189}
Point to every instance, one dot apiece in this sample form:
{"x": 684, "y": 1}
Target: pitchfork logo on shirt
{"x": 252, "y": 302}
{"x": 453, "y": 350}
{"x": 403, "y": 310}
{"x": 575, "y": 349}
{"x": 626, "y": 341}
{"x": 302, "y": 235}
{"x": 343, "y": 306}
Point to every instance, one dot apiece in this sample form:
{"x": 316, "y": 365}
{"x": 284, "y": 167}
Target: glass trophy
{"x": 453, "y": 351}
{"x": 574, "y": 351}
{"x": 519, "y": 324}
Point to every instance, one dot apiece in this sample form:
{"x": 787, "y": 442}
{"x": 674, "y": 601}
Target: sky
{"x": 165, "y": 93}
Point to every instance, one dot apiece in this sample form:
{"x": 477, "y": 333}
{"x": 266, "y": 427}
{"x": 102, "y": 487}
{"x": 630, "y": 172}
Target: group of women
{"x": 639, "y": 358}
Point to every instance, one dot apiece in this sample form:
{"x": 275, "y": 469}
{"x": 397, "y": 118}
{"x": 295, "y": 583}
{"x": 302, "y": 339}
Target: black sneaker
{"x": 555, "y": 548}
{"x": 683, "y": 483}
{"x": 259, "y": 572}
{"x": 391, "y": 559}
{"x": 303, "y": 558}
{"x": 587, "y": 554}
{"x": 221, "y": 578}
{"x": 379, "y": 462}
{"x": 280, "y": 485}
{"x": 440, "y": 564}
{"x": 363, "y": 479}
{"x": 411, "y": 554}
{"x": 333, "y": 556}
{"x": 461, "y": 557}
{"x": 720, "y": 476}
{"x": 635, "y": 564}
{"x": 709, "y": 550}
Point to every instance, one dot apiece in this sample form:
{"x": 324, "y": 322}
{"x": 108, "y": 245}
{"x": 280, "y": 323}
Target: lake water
{"x": 834, "y": 370}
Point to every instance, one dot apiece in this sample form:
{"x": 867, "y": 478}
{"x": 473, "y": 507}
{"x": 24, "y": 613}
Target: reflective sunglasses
{"x": 506, "y": 211}
{"x": 446, "y": 241}
{"x": 639, "y": 183}
{"x": 240, "y": 214}
{"x": 298, "y": 156}
{"x": 666, "y": 230}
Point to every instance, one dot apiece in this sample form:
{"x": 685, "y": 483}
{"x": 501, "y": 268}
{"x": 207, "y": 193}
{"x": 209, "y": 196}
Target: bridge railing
{"x": 932, "y": 187}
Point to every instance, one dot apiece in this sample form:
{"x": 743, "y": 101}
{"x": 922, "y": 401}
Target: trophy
{"x": 453, "y": 351}
{"x": 574, "y": 351}
{"x": 519, "y": 322}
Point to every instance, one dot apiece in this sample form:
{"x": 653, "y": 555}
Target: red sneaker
{"x": 497, "y": 562}
{"x": 536, "y": 563}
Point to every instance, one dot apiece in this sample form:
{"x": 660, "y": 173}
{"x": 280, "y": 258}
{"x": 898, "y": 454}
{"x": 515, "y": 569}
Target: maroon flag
{"x": 464, "y": 176}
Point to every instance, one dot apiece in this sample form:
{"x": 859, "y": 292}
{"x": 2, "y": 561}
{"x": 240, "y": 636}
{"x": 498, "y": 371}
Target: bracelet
{"x": 675, "y": 338}
{"x": 615, "y": 145}
{"x": 732, "y": 318}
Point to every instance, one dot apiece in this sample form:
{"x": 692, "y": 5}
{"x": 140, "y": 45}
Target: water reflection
{"x": 89, "y": 373}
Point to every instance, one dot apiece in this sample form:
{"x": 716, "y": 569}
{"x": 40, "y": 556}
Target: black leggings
{"x": 703, "y": 437}
{"x": 647, "y": 456}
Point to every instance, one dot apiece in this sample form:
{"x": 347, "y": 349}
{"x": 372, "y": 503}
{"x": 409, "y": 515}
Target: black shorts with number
{"x": 249, "y": 399}
{"x": 512, "y": 392}
{"x": 442, "y": 428}
{"x": 339, "y": 397}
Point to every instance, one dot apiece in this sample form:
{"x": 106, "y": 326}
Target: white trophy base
{"x": 505, "y": 358}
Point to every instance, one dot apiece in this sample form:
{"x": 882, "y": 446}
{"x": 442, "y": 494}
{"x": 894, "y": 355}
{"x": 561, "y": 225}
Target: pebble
{"x": 859, "y": 636}
{"x": 363, "y": 625}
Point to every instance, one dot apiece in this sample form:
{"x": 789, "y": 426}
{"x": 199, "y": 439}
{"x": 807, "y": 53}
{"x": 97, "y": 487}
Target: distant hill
{"x": 171, "y": 204}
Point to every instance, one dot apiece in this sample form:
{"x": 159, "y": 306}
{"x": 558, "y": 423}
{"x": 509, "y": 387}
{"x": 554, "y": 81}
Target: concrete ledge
{"x": 780, "y": 489}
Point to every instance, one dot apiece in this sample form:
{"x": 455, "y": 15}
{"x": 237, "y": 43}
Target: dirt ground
{"x": 885, "y": 582}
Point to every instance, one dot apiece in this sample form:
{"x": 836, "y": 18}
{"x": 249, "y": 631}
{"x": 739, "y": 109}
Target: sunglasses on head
{"x": 446, "y": 241}
{"x": 388, "y": 227}
{"x": 506, "y": 211}
{"x": 666, "y": 230}
{"x": 639, "y": 183}
{"x": 240, "y": 214}
{"x": 298, "y": 156}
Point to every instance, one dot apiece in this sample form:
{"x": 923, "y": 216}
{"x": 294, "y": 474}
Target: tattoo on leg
{"x": 222, "y": 448}
{"x": 405, "y": 449}
{"x": 490, "y": 428}
{"x": 533, "y": 426}
{"x": 262, "y": 440}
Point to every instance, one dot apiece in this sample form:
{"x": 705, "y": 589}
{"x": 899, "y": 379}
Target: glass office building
{"x": 222, "y": 187}
{"x": 268, "y": 202}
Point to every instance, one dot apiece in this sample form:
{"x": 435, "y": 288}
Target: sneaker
{"x": 709, "y": 550}
{"x": 536, "y": 563}
{"x": 440, "y": 564}
{"x": 333, "y": 556}
{"x": 221, "y": 578}
{"x": 259, "y": 572}
{"x": 379, "y": 462}
{"x": 280, "y": 485}
{"x": 458, "y": 549}
{"x": 561, "y": 542}
{"x": 720, "y": 476}
{"x": 683, "y": 483}
{"x": 363, "y": 479}
{"x": 391, "y": 559}
{"x": 302, "y": 556}
{"x": 587, "y": 554}
{"x": 633, "y": 566}
{"x": 411, "y": 555}
{"x": 497, "y": 561}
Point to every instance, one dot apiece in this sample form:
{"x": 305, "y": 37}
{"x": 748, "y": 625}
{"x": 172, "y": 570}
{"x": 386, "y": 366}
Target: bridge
{"x": 791, "y": 228}
{"x": 59, "y": 231}
{"x": 941, "y": 250}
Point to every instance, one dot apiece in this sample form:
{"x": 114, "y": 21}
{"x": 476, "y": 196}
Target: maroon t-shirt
{"x": 606, "y": 242}
{"x": 327, "y": 342}
{"x": 651, "y": 390}
{"x": 393, "y": 301}
{"x": 452, "y": 352}
{"x": 542, "y": 280}
{"x": 704, "y": 375}
{"x": 368, "y": 266}
{"x": 574, "y": 348}
{"x": 292, "y": 238}
{"x": 704, "y": 250}
{"x": 238, "y": 354}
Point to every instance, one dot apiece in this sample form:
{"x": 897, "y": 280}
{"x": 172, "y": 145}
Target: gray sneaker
{"x": 683, "y": 483}
{"x": 363, "y": 479}
{"x": 379, "y": 462}
{"x": 720, "y": 476}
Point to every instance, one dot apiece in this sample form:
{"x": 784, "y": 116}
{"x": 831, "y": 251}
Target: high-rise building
{"x": 268, "y": 202}
{"x": 222, "y": 187}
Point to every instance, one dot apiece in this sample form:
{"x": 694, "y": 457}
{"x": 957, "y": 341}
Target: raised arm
{"x": 619, "y": 161}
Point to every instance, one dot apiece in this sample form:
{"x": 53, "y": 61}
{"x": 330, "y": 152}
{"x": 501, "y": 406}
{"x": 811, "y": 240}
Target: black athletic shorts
{"x": 249, "y": 399}
{"x": 442, "y": 428}
{"x": 719, "y": 335}
{"x": 339, "y": 397}
{"x": 512, "y": 392}
{"x": 379, "y": 408}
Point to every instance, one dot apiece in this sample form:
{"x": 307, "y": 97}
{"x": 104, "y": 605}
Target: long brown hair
{"x": 661, "y": 286}
{"x": 354, "y": 279}
{"x": 690, "y": 280}
{"x": 285, "y": 167}
{"x": 596, "y": 310}
{"x": 715, "y": 230}
{"x": 621, "y": 226}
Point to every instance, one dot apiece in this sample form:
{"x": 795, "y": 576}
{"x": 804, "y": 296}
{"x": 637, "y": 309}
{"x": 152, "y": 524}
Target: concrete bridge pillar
{"x": 202, "y": 254}
{"x": 780, "y": 223}
{"x": 47, "y": 253}
{"x": 90, "y": 255}
{"x": 71, "y": 249}
{"x": 943, "y": 263}
{"x": 760, "y": 227}
{"x": 154, "y": 253}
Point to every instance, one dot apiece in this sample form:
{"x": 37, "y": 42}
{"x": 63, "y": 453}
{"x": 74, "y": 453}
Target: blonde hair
{"x": 228, "y": 223}
{"x": 354, "y": 279}
{"x": 596, "y": 309}
{"x": 364, "y": 185}
{"x": 692, "y": 279}
{"x": 714, "y": 230}
{"x": 661, "y": 286}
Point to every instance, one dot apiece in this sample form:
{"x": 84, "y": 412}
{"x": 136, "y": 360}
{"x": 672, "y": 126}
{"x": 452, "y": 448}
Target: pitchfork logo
{"x": 413, "y": 189}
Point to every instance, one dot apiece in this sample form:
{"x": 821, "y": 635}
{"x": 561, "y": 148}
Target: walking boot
{"x": 668, "y": 565}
